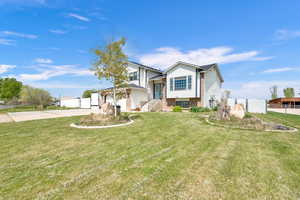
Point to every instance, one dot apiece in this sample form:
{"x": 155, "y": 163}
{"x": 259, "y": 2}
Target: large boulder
{"x": 107, "y": 109}
{"x": 238, "y": 111}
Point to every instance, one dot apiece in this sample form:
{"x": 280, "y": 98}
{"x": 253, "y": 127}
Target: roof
{"x": 128, "y": 86}
{"x": 281, "y": 100}
{"x": 146, "y": 67}
{"x": 157, "y": 77}
{"x": 202, "y": 67}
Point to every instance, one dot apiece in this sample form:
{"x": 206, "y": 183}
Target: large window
{"x": 180, "y": 83}
{"x": 133, "y": 76}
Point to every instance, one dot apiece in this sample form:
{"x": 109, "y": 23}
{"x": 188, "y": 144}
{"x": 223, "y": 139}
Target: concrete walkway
{"x": 35, "y": 115}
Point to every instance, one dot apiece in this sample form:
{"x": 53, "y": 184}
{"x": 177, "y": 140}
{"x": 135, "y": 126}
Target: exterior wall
{"x": 120, "y": 102}
{"x": 138, "y": 96}
{"x": 212, "y": 87}
{"x": 143, "y": 74}
{"x": 183, "y": 70}
{"x": 133, "y": 68}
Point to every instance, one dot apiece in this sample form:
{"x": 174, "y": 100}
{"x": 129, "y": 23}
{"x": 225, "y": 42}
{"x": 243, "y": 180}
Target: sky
{"x": 48, "y": 43}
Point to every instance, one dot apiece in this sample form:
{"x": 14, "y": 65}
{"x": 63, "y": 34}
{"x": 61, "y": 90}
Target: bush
{"x": 35, "y": 96}
{"x": 199, "y": 109}
{"x": 177, "y": 109}
{"x": 248, "y": 115}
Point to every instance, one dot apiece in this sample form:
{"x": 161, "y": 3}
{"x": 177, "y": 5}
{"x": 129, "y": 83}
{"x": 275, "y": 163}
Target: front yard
{"x": 160, "y": 156}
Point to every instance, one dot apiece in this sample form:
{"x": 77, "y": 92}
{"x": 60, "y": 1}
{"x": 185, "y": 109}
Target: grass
{"x": 30, "y": 108}
{"x": 160, "y": 156}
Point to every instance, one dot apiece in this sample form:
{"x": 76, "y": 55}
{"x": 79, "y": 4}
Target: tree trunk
{"x": 115, "y": 102}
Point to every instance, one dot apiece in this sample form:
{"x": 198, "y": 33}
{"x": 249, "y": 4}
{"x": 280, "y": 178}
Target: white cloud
{"x": 57, "y": 31}
{"x": 60, "y": 85}
{"x": 166, "y": 56}
{"x": 54, "y": 71}
{"x": 260, "y": 89}
{"x": 5, "y": 68}
{"x": 43, "y": 60}
{"x": 79, "y": 17}
{"x": 283, "y": 69}
{"x": 286, "y": 34}
{"x": 7, "y": 42}
{"x": 23, "y": 35}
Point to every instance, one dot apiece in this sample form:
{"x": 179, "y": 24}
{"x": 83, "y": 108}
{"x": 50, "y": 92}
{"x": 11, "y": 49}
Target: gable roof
{"x": 146, "y": 67}
{"x": 202, "y": 67}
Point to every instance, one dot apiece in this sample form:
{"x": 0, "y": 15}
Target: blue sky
{"x": 47, "y": 43}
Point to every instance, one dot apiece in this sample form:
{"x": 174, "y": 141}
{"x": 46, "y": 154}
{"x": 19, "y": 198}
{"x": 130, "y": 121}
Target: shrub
{"x": 35, "y": 96}
{"x": 199, "y": 109}
{"x": 247, "y": 115}
{"x": 177, "y": 109}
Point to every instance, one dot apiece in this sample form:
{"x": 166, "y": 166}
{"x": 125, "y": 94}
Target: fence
{"x": 250, "y": 105}
{"x": 81, "y": 102}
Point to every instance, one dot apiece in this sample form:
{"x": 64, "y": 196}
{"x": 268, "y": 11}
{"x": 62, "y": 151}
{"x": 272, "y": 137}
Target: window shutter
{"x": 190, "y": 82}
{"x": 171, "y": 84}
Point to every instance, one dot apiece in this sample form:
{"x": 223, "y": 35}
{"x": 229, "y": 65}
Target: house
{"x": 285, "y": 103}
{"x": 181, "y": 84}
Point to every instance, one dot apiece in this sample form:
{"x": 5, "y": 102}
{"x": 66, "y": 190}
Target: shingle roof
{"x": 147, "y": 67}
{"x": 131, "y": 85}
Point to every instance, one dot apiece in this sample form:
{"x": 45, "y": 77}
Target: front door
{"x": 157, "y": 91}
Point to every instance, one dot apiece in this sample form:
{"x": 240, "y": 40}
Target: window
{"x": 190, "y": 82}
{"x": 171, "y": 84}
{"x": 183, "y": 104}
{"x": 133, "y": 76}
{"x": 180, "y": 83}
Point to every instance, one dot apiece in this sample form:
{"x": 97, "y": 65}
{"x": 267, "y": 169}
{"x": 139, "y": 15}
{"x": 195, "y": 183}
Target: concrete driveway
{"x": 35, "y": 115}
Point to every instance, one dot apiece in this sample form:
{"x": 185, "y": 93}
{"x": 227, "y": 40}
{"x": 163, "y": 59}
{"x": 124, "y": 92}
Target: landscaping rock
{"x": 238, "y": 111}
{"x": 107, "y": 109}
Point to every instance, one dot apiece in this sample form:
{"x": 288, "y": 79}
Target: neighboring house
{"x": 285, "y": 103}
{"x": 182, "y": 84}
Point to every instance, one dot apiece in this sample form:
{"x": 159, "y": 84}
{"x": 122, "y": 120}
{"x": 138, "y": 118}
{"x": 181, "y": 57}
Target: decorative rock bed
{"x": 271, "y": 127}
{"x": 99, "y": 127}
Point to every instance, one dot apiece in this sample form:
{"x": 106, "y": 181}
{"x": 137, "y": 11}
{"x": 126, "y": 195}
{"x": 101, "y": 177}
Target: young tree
{"x": 111, "y": 65}
{"x": 289, "y": 92}
{"x": 35, "y": 96}
{"x": 10, "y": 88}
{"x": 88, "y": 93}
{"x": 274, "y": 92}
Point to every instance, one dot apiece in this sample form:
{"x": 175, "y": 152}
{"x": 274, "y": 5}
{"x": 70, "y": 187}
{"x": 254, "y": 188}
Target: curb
{"x": 100, "y": 127}
{"x": 267, "y": 130}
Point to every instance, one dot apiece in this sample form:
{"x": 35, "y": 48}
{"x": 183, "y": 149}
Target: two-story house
{"x": 182, "y": 84}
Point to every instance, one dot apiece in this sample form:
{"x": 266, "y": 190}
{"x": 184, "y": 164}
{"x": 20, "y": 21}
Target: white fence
{"x": 250, "y": 105}
{"x": 85, "y": 103}
{"x": 81, "y": 102}
{"x": 70, "y": 103}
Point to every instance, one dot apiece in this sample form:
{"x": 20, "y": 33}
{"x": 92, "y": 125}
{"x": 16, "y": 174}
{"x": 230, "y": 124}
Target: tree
{"x": 10, "y": 88}
{"x": 110, "y": 64}
{"x": 289, "y": 92}
{"x": 35, "y": 96}
{"x": 88, "y": 93}
{"x": 274, "y": 92}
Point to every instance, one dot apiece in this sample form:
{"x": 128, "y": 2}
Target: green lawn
{"x": 160, "y": 156}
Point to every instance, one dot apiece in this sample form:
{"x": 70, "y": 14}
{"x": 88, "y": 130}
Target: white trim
{"x": 98, "y": 127}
